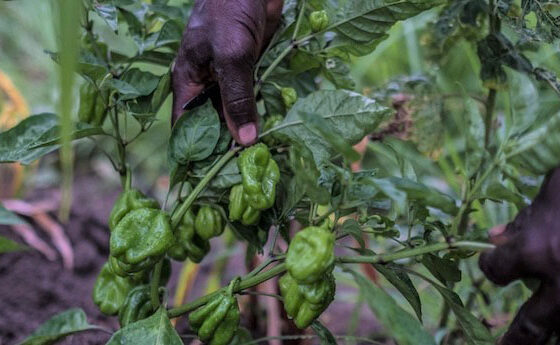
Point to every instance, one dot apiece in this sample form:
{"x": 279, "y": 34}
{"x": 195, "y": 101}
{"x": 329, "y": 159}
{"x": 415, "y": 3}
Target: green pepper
{"x": 140, "y": 239}
{"x": 289, "y": 96}
{"x": 271, "y": 122}
{"x": 110, "y": 290}
{"x": 319, "y": 20}
{"x": 188, "y": 244}
{"x": 239, "y": 209}
{"x": 306, "y": 302}
{"x": 129, "y": 200}
{"x": 217, "y": 322}
{"x": 92, "y": 105}
{"x": 310, "y": 254}
{"x": 260, "y": 174}
{"x": 208, "y": 223}
{"x": 137, "y": 306}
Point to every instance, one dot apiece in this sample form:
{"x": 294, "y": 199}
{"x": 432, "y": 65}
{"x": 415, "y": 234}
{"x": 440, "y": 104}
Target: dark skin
{"x": 221, "y": 44}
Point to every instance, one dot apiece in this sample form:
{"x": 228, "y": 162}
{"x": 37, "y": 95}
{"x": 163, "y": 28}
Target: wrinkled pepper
{"x": 319, "y": 20}
{"x": 306, "y": 302}
{"x": 208, "y": 223}
{"x": 110, "y": 290}
{"x": 130, "y": 199}
{"x": 137, "y": 306}
{"x": 216, "y": 323}
{"x": 289, "y": 96}
{"x": 140, "y": 239}
{"x": 271, "y": 122}
{"x": 239, "y": 208}
{"x": 188, "y": 244}
{"x": 310, "y": 254}
{"x": 260, "y": 174}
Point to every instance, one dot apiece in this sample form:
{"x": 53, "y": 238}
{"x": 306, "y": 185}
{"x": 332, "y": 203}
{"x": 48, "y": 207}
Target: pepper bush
{"x": 300, "y": 172}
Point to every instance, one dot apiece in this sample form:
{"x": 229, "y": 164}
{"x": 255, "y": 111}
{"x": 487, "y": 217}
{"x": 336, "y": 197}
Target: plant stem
{"x": 244, "y": 284}
{"x": 154, "y": 285}
{"x": 186, "y": 205}
{"x": 256, "y": 279}
{"x": 408, "y": 253}
{"x": 490, "y": 106}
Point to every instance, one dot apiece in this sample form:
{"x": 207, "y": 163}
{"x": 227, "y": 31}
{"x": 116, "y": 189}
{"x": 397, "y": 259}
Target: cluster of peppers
{"x": 217, "y": 322}
{"x": 142, "y": 235}
{"x": 308, "y": 287}
{"x": 260, "y": 174}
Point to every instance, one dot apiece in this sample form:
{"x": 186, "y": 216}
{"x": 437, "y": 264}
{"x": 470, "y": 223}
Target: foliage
{"x": 497, "y": 143}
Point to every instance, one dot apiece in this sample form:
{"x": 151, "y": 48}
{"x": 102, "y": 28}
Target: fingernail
{"x": 247, "y": 133}
{"x": 497, "y": 230}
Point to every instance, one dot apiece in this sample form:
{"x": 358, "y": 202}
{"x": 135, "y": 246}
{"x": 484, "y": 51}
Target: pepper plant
{"x": 299, "y": 172}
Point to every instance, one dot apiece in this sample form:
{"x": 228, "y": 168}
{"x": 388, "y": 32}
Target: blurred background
{"x": 410, "y": 62}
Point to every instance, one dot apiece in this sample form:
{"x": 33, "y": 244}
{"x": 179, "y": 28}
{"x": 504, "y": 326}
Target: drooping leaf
{"x": 445, "y": 270}
{"x": 37, "y": 136}
{"x": 9, "y": 246}
{"x": 475, "y": 332}
{"x": 59, "y": 326}
{"x": 402, "y": 326}
{"x": 352, "y": 228}
{"x": 9, "y": 218}
{"x": 195, "y": 135}
{"x": 155, "y": 330}
{"x": 325, "y": 336}
{"x": 401, "y": 281}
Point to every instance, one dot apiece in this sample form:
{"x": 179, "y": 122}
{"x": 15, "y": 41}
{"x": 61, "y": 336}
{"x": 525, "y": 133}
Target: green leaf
{"x": 37, "y": 136}
{"x": 338, "y": 73}
{"x": 9, "y": 218}
{"x": 445, "y": 270}
{"x": 474, "y": 136}
{"x": 171, "y": 33}
{"x": 9, "y": 246}
{"x": 155, "y": 330}
{"x": 425, "y": 195}
{"x": 195, "y": 135}
{"x": 323, "y": 333}
{"x": 135, "y": 83}
{"x": 60, "y": 326}
{"x": 403, "y": 327}
{"x": 109, "y": 14}
{"x": 352, "y": 115}
{"x": 538, "y": 150}
{"x": 352, "y": 228}
{"x": 475, "y": 332}
{"x": 402, "y": 282}
{"x": 360, "y": 25}
{"x": 317, "y": 124}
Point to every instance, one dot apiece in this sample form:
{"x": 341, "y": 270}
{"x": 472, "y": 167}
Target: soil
{"x": 33, "y": 289}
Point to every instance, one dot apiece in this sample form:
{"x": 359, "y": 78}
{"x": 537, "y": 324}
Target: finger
{"x": 185, "y": 88}
{"x": 239, "y": 106}
{"x": 273, "y": 16}
{"x": 535, "y": 321}
{"x": 505, "y": 263}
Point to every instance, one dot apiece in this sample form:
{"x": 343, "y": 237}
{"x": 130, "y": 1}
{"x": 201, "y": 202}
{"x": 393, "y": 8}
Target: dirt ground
{"x": 33, "y": 289}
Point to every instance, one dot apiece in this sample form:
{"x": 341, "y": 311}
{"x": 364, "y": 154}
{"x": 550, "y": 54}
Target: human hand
{"x": 221, "y": 44}
{"x": 529, "y": 247}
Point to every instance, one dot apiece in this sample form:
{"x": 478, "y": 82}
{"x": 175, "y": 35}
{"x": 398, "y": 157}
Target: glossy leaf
{"x": 135, "y": 83}
{"x": 37, "y": 136}
{"x": 195, "y": 135}
{"x": 361, "y": 25}
{"x": 345, "y": 114}
{"x": 402, "y": 326}
{"x": 155, "y": 330}
{"x": 60, "y": 326}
